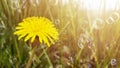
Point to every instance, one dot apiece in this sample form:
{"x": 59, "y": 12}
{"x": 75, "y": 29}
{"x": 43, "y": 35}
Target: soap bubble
{"x": 98, "y": 23}
{"x": 57, "y": 21}
{"x": 113, "y": 62}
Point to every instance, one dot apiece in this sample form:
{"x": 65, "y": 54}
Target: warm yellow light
{"x": 99, "y": 4}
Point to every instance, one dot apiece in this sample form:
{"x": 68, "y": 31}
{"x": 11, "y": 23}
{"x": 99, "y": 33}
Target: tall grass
{"x": 79, "y": 46}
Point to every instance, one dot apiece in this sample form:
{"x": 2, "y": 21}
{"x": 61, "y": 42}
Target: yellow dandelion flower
{"x": 40, "y": 27}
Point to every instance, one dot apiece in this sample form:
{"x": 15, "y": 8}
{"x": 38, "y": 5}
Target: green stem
{"x": 31, "y": 57}
{"x": 78, "y": 55}
{"x": 18, "y": 52}
{"x": 49, "y": 61}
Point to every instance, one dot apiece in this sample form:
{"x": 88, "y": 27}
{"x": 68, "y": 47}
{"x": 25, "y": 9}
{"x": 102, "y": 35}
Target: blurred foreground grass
{"x": 79, "y": 46}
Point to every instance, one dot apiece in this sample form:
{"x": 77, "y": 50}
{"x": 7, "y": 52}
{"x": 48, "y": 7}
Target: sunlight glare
{"x": 99, "y": 4}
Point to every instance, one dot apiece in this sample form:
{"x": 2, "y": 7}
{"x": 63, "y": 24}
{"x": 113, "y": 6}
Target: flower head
{"x": 40, "y": 27}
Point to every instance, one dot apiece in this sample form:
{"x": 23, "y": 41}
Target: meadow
{"x": 86, "y": 39}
